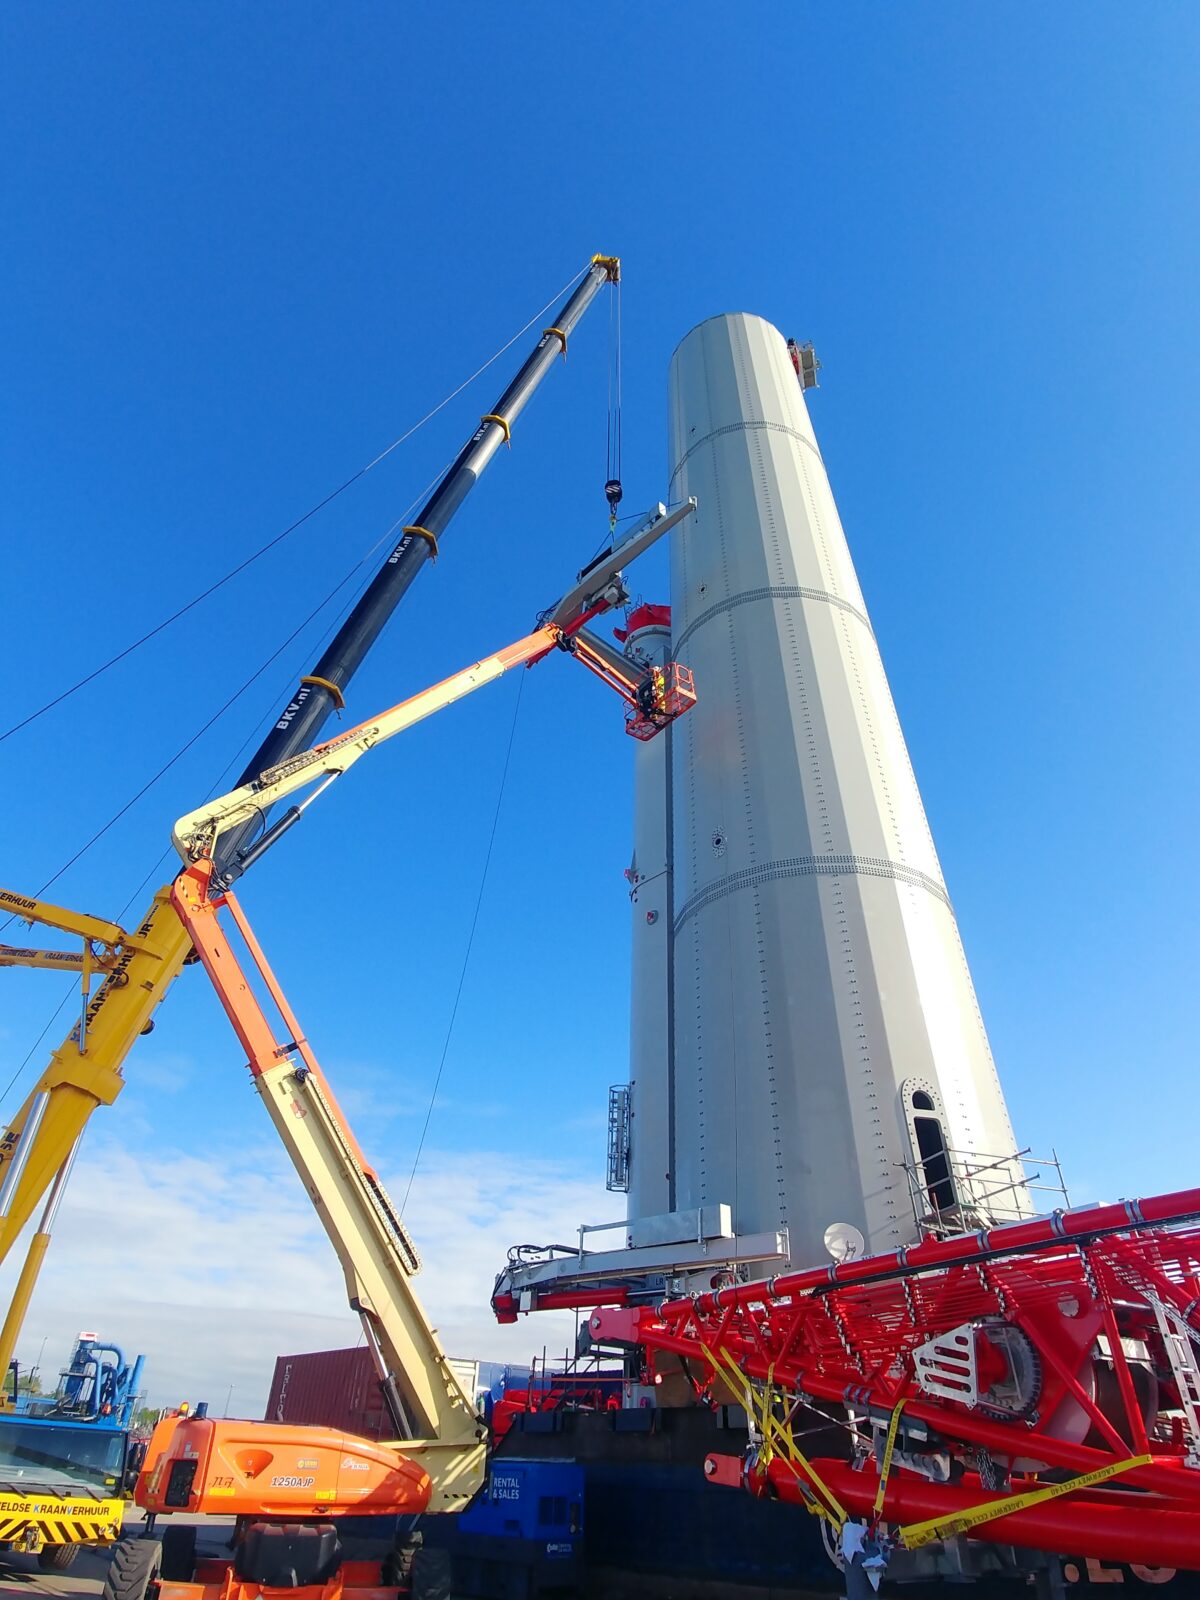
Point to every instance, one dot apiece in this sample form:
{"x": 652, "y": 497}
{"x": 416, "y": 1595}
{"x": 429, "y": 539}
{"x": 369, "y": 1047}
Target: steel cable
{"x": 249, "y": 561}
{"x": 462, "y": 976}
{"x": 146, "y": 787}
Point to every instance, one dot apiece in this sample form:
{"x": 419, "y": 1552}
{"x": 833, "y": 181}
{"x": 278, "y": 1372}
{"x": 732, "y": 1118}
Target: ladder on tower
{"x": 1177, "y": 1338}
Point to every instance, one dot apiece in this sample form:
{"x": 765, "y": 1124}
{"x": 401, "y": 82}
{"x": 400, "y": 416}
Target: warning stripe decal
{"x": 59, "y": 1531}
{"x": 46, "y": 1517}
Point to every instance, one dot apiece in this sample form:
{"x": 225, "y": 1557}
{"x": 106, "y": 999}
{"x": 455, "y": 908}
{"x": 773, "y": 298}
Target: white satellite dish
{"x": 844, "y": 1241}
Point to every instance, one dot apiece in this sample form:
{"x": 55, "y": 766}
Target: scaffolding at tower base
{"x": 1034, "y": 1384}
{"x": 958, "y": 1191}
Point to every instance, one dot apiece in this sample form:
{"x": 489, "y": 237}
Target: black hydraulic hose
{"x": 321, "y": 690}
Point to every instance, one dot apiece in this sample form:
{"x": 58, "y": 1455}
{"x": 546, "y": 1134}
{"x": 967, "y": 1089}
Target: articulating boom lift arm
{"x": 200, "y": 833}
{"x": 429, "y": 1409}
{"x": 440, "y": 1462}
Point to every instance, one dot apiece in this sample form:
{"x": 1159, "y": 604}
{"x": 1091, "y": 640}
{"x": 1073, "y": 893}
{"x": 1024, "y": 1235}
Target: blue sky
{"x": 248, "y": 247}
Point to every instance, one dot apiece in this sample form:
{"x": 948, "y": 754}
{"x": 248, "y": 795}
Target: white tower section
{"x": 826, "y": 1031}
{"x": 651, "y": 1084}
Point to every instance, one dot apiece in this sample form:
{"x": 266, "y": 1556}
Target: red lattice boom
{"x": 1001, "y": 1365}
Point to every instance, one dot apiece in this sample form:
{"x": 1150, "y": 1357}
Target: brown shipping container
{"x": 329, "y": 1389}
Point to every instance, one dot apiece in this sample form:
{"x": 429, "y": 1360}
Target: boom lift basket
{"x": 663, "y": 695}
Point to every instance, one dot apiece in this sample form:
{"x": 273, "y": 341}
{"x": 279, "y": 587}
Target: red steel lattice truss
{"x": 1034, "y": 1384}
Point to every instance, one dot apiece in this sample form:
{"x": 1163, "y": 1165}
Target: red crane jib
{"x": 975, "y": 1377}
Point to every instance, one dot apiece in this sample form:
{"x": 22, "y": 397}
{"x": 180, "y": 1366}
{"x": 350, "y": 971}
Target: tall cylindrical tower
{"x": 826, "y": 1031}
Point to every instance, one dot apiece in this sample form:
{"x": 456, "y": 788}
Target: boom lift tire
{"x": 134, "y": 1571}
{"x": 431, "y": 1574}
{"x": 57, "y": 1557}
{"x": 179, "y": 1553}
{"x": 396, "y": 1570}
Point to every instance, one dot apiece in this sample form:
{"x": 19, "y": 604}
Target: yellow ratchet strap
{"x": 339, "y": 699}
{"x": 423, "y": 533}
{"x": 560, "y": 335}
{"x": 919, "y": 1533}
{"x": 886, "y": 1467}
{"x": 778, "y": 1440}
{"x": 761, "y": 1411}
{"x": 501, "y": 422}
{"x": 833, "y": 1511}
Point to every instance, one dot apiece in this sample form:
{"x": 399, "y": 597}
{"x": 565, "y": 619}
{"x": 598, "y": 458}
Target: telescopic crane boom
{"x": 323, "y": 690}
{"x": 86, "y": 1070}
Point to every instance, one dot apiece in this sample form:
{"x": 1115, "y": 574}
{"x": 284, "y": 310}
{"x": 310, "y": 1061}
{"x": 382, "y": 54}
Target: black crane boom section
{"x": 323, "y": 689}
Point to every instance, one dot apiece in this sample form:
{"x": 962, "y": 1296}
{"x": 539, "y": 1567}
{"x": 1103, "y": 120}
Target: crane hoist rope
{"x": 612, "y": 486}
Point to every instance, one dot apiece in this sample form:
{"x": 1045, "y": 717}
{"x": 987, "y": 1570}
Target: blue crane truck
{"x": 65, "y": 1457}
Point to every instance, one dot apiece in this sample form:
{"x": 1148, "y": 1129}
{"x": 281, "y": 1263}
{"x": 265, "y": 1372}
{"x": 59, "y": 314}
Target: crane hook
{"x": 613, "y": 493}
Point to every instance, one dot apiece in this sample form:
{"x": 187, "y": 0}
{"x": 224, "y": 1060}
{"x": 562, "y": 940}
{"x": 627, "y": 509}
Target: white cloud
{"x": 464, "y": 1214}
{"x": 213, "y": 1264}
